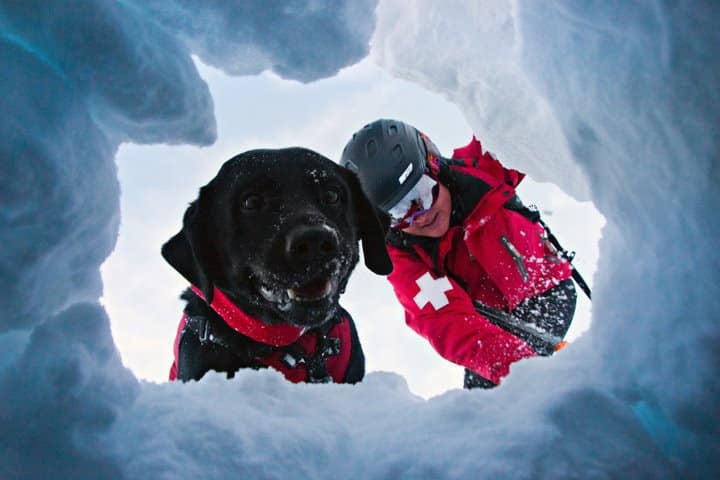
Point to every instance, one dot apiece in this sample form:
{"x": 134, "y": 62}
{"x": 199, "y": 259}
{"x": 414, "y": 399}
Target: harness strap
{"x": 210, "y": 330}
{"x": 213, "y": 330}
{"x": 240, "y": 321}
{"x": 316, "y": 362}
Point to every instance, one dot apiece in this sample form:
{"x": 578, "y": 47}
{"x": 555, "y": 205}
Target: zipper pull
{"x": 516, "y": 257}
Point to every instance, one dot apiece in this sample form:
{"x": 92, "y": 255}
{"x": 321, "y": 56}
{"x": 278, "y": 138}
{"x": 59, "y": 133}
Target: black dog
{"x": 268, "y": 248}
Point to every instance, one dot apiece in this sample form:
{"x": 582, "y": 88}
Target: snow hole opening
{"x": 141, "y": 291}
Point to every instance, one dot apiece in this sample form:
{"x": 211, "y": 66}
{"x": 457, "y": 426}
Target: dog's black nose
{"x": 307, "y": 244}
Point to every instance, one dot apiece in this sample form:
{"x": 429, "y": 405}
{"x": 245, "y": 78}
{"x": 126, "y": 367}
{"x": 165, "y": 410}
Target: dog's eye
{"x": 330, "y": 196}
{"x": 252, "y": 202}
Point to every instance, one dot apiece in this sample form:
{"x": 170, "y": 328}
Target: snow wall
{"x": 615, "y": 102}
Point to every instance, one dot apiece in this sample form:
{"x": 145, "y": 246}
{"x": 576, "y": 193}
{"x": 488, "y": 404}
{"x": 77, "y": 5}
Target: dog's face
{"x": 277, "y": 232}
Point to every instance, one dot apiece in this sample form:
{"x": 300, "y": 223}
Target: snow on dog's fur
{"x": 276, "y": 233}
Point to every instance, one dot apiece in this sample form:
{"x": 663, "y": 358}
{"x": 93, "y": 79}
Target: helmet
{"x": 389, "y": 157}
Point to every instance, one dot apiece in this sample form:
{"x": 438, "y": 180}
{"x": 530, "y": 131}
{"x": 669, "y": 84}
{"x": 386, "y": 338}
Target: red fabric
{"x": 275, "y": 335}
{"x": 486, "y": 161}
{"x": 337, "y": 365}
{"x": 176, "y": 349}
{"x": 475, "y": 254}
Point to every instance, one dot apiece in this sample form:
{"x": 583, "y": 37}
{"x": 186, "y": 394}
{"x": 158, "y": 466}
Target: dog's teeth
{"x": 294, "y": 296}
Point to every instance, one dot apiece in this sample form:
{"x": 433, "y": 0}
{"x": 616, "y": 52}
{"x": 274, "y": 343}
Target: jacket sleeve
{"x": 439, "y": 310}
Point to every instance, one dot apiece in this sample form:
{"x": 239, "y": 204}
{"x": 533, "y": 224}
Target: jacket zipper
{"x": 516, "y": 257}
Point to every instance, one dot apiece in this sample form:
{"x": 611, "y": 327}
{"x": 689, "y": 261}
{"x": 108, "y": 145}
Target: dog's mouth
{"x": 313, "y": 291}
{"x": 307, "y": 298}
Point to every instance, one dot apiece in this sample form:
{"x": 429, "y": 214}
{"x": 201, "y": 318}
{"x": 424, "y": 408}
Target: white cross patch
{"x": 432, "y": 290}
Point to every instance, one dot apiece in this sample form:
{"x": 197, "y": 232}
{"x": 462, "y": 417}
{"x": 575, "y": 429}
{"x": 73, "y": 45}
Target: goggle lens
{"x": 416, "y": 202}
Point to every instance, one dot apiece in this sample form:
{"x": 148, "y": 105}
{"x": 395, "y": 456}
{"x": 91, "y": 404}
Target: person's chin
{"x": 438, "y": 227}
{"x": 436, "y": 232}
{"x": 430, "y": 224}
{"x": 435, "y": 228}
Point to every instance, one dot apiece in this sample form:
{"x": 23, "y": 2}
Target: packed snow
{"x": 615, "y": 102}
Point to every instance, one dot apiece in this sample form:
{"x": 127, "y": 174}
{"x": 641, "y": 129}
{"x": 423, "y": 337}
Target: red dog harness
{"x": 302, "y": 355}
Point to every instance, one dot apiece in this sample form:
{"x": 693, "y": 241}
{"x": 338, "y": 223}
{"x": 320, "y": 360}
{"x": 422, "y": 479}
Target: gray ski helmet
{"x": 389, "y": 157}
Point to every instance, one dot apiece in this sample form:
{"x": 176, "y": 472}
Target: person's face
{"x": 436, "y": 221}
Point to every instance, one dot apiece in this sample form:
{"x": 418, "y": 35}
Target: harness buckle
{"x": 316, "y": 364}
{"x": 291, "y": 361}
{"x": 202, "y": 328}
{"x": 325, "y": 379}
{"x": 330, "y": 346}
{"x": 317, "y": 370}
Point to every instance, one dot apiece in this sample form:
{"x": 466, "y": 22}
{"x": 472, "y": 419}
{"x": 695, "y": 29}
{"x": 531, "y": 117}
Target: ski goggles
{"x": 416, "y": 202}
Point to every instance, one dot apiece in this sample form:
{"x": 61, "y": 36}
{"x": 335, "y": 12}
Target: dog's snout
{"x": 309, "y": 244}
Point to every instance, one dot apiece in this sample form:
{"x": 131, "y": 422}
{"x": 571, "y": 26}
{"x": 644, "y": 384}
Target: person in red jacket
{"x": 472, "y": 266}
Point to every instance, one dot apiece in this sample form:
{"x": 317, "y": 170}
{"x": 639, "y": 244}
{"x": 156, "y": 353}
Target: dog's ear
{"x": 373, "y": 225}
{"x": 190, "y": 251}
{"x": 178, "y": 254}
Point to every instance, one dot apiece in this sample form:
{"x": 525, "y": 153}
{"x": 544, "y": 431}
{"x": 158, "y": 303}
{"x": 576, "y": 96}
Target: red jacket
{"x": 490, "y": 254}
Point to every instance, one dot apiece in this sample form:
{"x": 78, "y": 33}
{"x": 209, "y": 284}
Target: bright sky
{"x": 158, "y": 182}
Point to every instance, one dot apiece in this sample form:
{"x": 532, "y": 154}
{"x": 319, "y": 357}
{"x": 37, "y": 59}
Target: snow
{"x": 615, "y": 102}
